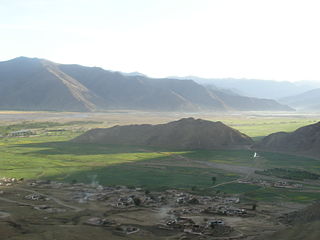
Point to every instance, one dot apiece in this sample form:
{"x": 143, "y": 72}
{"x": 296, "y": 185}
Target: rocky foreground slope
{"x": 305, "y": 140}
{"x": 186, "y": 133}
{"x": 302, "y": 224}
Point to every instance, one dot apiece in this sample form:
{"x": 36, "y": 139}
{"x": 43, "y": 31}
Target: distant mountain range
{"x": 39, "y": 84}
{"x": 258, "y": 88}
{"x": 309, "y": 101}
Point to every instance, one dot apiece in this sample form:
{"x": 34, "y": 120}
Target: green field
{"x": 245, "y": 158}
{"x": 259, "y": 127}
{"x": 274, "y": 195}
{"x": 52, "y": 156}
{"x": 35, "y": 157}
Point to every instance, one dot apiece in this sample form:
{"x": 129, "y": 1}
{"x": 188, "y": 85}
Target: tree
{"x": 254, "y": 206}
{"x": 213, "y": 179}
{"x": 137, "y": 201}
{"x": 74, "y": 181}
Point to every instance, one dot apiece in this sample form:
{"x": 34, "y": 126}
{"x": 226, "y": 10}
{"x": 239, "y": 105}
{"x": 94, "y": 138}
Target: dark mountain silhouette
{"x": 309, "y": 100}
{"x": 305, "y": 140}
{"x": 186, "y": 133}
{"x": 38, "y": 84}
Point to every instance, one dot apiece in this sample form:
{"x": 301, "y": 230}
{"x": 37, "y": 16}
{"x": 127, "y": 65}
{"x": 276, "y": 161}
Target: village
{"x": 129, "y": 211}
{"x": 271, "y": 183}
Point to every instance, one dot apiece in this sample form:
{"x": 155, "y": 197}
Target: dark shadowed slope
{"x": 305, "y": 140}
{"x": 187, "y": 133}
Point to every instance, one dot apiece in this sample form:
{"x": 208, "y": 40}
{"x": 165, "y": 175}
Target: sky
{"x": 263, "y": 39}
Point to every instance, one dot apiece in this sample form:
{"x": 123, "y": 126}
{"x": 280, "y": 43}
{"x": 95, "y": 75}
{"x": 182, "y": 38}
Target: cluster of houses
{"x": 29, "y": 132}
{"x": 184, "y": 209}
{"x": 269, "y": 183}
{"x": 7, "y": 181}
{"x": 184, "y": 212}
{"x": 21, "y": 133}
{"x": 208, "y": 227}
{"x": 36, "y": 197}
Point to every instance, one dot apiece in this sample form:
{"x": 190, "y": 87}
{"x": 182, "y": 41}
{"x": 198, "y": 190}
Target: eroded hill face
{"x": 186, "y": 133}
{"x": 36, "y": 84}
{"x": 305, "y": 140}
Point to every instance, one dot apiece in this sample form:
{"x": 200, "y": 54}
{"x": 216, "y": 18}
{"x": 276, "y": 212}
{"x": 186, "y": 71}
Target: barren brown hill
{"x": 310, "y": 213}
{"x": 305, "y": 140}
{"x": 303, "y": 224}
{"x": 186, "y": 133}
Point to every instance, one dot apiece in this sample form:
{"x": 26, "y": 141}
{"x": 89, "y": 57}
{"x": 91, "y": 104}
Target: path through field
{"x": 244, "y": 170}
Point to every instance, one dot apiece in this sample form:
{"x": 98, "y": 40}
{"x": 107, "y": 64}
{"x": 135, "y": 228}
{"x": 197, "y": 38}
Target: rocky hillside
{"x": 304, "y": 224}
{"x": 305, "y": 140}
{"x": 186, "y": 133}
{"x": 38, "y": 84}
{"x": 308, "y": 214}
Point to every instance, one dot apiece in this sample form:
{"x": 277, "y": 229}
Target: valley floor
{"x": 47, "y": 154}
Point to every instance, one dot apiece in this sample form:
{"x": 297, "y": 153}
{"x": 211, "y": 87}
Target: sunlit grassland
{"x": 266, "y": 159}
{"x": 52, "y": 157}
{"x": 36, "y": 157}
{"x": 260, "y": 127}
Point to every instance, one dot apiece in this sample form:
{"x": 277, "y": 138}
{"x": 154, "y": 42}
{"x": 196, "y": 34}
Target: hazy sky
{"x": 266, "y": 39}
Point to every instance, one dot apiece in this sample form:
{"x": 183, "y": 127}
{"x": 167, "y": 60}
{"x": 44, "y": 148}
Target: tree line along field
{"x": 52, "y": 156}
{"x": 288, "y": 173}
